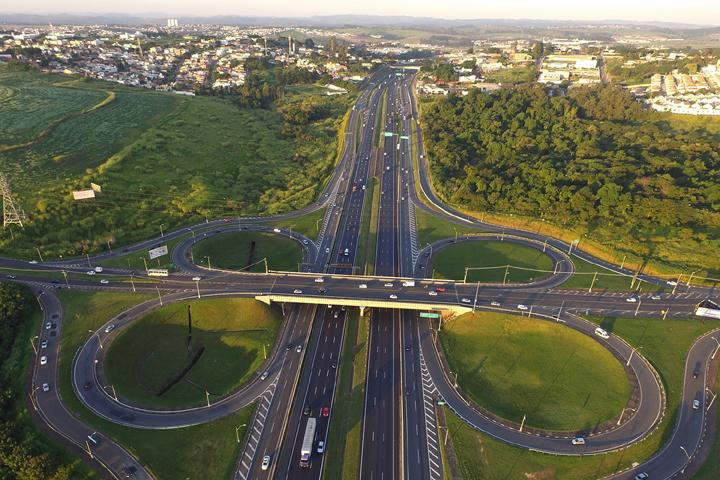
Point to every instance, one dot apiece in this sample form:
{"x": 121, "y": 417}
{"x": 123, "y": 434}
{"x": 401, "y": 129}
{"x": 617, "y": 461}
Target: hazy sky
{"x": 691, "y": 11}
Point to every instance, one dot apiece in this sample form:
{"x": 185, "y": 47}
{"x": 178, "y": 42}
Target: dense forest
{"x": 23, "y": 453}
{"x": 593, "y": 160}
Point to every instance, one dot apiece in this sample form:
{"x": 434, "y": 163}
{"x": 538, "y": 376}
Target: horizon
{"x": 698, "y": 12}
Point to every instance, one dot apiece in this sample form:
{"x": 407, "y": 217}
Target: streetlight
{"x": 622, "y": 413}
{"x": 685, "y": 451}
{"x": 716, "y": 348}
{"x": 98, "y": 335}
{"x": 161, "y": 230}
{"x": 208, "y": 260}
{"x": 712, "y": 399}
{"x": 237, "y": 431}
{"x": 197, "y": 284}
{"x": 32, "y": 342}
{"x": 631, "y": 355}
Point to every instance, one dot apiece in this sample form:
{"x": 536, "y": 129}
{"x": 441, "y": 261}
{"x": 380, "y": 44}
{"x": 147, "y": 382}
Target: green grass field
{"x": 160, "y": 159}
{"x": 231, "y": 251}
{"x": 308, "y": 225}
{"x": 204, "y": 451}
{"x": 153, "y": 350}
{"x": 513, "y": 366}
{"x": 343, "y": 453}
{"x": 711, "y": 468}
{"x": 450, "y": 262}
{"x": 605, "y": 280}
{"x": 431, "y": 228}
{"x": 364, "y": 240}
{"x": 134, "y": 261}
{"x": 665, "y": 345}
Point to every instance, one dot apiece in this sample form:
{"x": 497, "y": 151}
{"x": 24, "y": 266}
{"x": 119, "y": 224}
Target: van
{"x": 602, "y": 333}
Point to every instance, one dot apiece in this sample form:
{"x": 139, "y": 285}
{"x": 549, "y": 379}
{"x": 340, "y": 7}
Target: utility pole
{"x": 592, "y": 283}
{"x": 12, "y": 214}
{"x": 39, "y": 254}
{"x": 522, "y": 424}
{"x": 507, "y": 269}
{"x": 622, "y": 264}
{"x": 638, "y": 307}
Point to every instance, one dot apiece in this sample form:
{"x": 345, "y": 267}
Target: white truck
{"x": 408, "y": 283}
{"x": 308, "y": 439}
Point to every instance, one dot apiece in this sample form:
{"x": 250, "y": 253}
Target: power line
{"x": 11, "y": 213}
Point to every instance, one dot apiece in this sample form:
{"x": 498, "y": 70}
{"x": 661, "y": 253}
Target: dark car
{"x": 306, "y": 411}
{"x": 696, "y": 370}
{"x": 130, "y": 471}
{"x": 288, "y": 347}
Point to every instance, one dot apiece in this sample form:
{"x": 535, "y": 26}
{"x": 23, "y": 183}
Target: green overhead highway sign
{"x": 404, "y": 137}
{"x": 389, "y": 134}
{"x": 429, "y": 315}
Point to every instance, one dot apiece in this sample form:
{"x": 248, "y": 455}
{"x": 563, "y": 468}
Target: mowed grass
{"x": 515, "y": 366}
{"x": 308, "y": 225}
{"x": 152, "y": 351}
{"x": 665, "y": 344}
{"x": 711, "y": 468}
{"x": 203, "y": 451}
{"x": 232, "y": 250}
{"x": 450, "y": 262}
{"x": 606, "y": 280}
{"x": 432, "y": 228}
{"x": 345, "y": 436}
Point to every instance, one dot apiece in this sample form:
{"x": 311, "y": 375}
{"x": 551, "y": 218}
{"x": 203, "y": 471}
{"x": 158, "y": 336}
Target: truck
{"x": 408, "y": 283}
{"x": 308, "y": 439}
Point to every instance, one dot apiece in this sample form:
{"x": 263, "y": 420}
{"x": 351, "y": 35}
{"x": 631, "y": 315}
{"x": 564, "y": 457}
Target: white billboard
{"x": 158, "y": 252}
{"x": 83, "y": 194}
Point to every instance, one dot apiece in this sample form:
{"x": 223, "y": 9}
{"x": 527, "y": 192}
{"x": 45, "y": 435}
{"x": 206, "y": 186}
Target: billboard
{"x": 158, "y": 252}
{"x": 83, "y": 194}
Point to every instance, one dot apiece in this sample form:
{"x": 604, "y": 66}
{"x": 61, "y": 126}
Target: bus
{"x": 157, "y": 272}
{"x": 308, "y": 439}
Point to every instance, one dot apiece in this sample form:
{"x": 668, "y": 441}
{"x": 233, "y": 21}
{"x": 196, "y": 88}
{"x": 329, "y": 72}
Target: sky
{"x": 688, "y": 11}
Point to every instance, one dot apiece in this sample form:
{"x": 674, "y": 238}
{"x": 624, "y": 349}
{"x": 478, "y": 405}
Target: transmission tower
{"x": 11, "y": 213}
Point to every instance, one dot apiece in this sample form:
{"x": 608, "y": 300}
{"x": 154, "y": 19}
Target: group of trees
{"x": 22, "y": 454}
{"x": 594, "y": 159}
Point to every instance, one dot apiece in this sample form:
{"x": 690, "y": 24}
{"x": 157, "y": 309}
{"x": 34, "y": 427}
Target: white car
{"x": 276, "y": 230}
{"x": 43, "y": 360}
{"x": 45, "y": 387}
{"x": 631, "y": 300}
{"x": 602, "y": 333}
{"x": 696, "y": 404}
{"x": 389, "y": 285}
{"x": 90, "y": 272}
{"x": 655, "y": 297}
{"x": 319, "y": 280}
{"x": 98, "y": 269}
{"x": 109, "y": 328}
{"x": 466, "y": 300}
{"x": 44, "y": 344}
{"x": 432, "y": 293}
{"x": 327, "y": 250}
{"x": 393, "y": 297}
{"x": 297, "y": 291}
{"x": 642, "y": 476}
{"x": 522, "y": 307}
{"x": 265, "y": 462}
{"x": 362, "y": 285}
{"x": 197, "y": 279}
{"x": 32, "y": 262}
{"x": 578, "y": 441}
{"x": 495, "y": 303}
{"x": 264, "y": 375}
{"x": 48, "y": 326}
{"x": 104, "y": 281}
{"x": 672, "y": 283}
{"x": 298, "y": 349}
{"x": 321, "y": 447}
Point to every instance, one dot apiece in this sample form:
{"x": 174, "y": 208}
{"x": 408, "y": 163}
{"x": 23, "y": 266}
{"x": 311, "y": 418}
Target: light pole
{"x": 237, "y": 431}
{"x": 522, "y": 424}
{"x": 161, "y": 230}
{"x": 39, "y": 254}
{"x": 560, "y": 311}
{"x": 712, "y": 357}
{"x": 622, "y": 413}
{"x": 197, "y": 285}
{"x": 712, "y": 399}
{"x": 592, "y": 284}
{"x": 631, "y": 355}
{"x": 67, "y": 284}
{"x": 132, "y": 282}
{"x": 691, "y": 277}
{"x": 638, "y": 307}
{"x": 465, "y": 277}
{"x": 477, "y": 289}
{"x": 622, "y": 264}
{"x": 207, "y": 397}
{"x": 208, "y": 260}
{"x": 98, "y": 335}
{"x": 685, "y": 451}
{"x": 159, "y": 296}
{"x": 32, "y": 342}
{"x": 507, "y": 269}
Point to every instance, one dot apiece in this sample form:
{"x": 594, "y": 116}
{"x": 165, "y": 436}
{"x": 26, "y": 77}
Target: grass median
{"x": 515, "y": 366}
{"x": 492, "y": 258}
{"x": 664, "y": 343}
{"x": 203, "y": 451}
{"x": 345, "y": 436}
{"x": 145, "y": 363}
{"x": 604, "y": 280}
{"x": 432, "y": 228}
{"x": 246, "y": 250}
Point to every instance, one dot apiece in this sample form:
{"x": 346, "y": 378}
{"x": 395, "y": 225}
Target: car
{"x": 408, "y": 347}
{"x": 305, "y": 242}
{"x": 129, "y": 471}
{"x": 276, "y": 230}
{"x": 631, "y": 299}
{"x": 578, "y": 441}
{"x": 44, "y": 344}
{"x": 319, "y": 280}
{"x": 10, "y": 276}
{"x": 602, "y": 333}
{"x": 45, "y": 387}
{"x": 298, "y": 348}
{"x": 325, "y": 411}
{"x": 90, "y": 272}
{"x": 48, "y": 325}
{"x": 197, "y": 279}
{"x": 321, "y": 447}
{"x": 43, "y": 360}
{"x": 98, "y": 269}
{"x": 333, "y": 365}
{"x": 33, "y": 262}
{"x": 297, "y": 291}
{"x": 696, "y": 370}
{"x": 522, "y": 307}
{"x": 327, "y": 250}
{"x": 440, "y": 289}
{"x": 104, "y": 281}
{"x": 389, "y": 285}
{"x": 655, "y": 297}
{"x": 306, "y": 411}
{"x": 672, "y": 283}
{"x": 265, "y": 462}
{"x": 642, "y": 476}
{"x": 87, "y": 385}
{"x": 362, "y": 285}
{"x": 465, "y": 300}
{"x": 393, "y": 297}
{"x": 696, "y": 404}
{"x": 264, "y": 375}
{"x": 288, "y": 347}
{"x": 495, "y": 303}
{"x": 432, "y": 293}
{"x": 321, "y": 290}
{"x": 110, "y": 328}
{"x": 336, "y": 314}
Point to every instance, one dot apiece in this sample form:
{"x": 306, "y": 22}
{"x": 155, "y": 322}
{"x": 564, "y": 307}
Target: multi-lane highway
{"x": 405, "y": 373}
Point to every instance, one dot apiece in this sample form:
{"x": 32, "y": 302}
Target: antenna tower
{"x": 11, "y": 213}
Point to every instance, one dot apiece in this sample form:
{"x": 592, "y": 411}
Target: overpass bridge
{"x": 444, "y": 309}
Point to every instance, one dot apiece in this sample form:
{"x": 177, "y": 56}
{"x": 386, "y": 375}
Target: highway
{"x": 405, "y": 371}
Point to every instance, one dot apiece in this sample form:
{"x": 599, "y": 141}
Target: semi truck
{"x": 308, "y": 439}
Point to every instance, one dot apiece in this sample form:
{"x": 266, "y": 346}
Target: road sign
{"x": 404, "y": 137}
{"x": 158, "y": 252}
{"x": 389, "y": 134}
{"x": 429, "y": 315}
